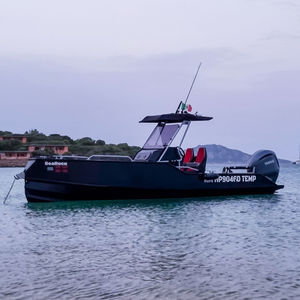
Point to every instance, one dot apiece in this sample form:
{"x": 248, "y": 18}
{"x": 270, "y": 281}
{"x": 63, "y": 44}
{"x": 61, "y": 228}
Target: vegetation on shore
{"x": 84, "y": 146}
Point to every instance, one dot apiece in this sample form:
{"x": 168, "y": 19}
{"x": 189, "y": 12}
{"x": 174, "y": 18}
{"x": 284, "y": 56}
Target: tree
{"x": 45, "y": 152}
{"x": 86, "y": 141}
{"x": 100, "y": 142}
{"x": 10, "y": 145}
{"x": 35, "y": 135}
{"x": 5, "y": 132}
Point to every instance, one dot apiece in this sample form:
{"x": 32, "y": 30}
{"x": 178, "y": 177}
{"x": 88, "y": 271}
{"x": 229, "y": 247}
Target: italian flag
{"x": 186, "y": 107}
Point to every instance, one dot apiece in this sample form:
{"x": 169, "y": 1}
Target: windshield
{"x": 161, "y": 136}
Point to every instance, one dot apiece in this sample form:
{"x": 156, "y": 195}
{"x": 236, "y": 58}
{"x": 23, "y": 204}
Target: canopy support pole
{"x": 186, "y": 130}
{"x": 170, "y": 142}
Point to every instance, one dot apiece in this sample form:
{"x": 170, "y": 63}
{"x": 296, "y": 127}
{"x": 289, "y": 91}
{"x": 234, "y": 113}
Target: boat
{"x": 297, "y": 162}
{"x": 159, "y": 170}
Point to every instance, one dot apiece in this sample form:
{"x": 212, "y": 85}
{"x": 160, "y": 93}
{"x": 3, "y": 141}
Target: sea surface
{"x": 241, "y": 247}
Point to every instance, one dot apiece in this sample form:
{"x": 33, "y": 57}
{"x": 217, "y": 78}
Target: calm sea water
{"x": 223, "y": 247}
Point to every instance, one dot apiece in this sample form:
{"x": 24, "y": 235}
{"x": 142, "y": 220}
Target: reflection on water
{"x": 233, "y": 247}
{"x": 141, "y": 203}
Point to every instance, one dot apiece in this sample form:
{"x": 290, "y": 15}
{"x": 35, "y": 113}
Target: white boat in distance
{"x": 297, "y": 162}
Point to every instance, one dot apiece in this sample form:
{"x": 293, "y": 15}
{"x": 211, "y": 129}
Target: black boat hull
{"x": 49, "y": 180}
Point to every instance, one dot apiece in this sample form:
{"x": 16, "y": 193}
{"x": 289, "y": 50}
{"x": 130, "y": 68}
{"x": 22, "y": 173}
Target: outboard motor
{"x": 265, "y": 162}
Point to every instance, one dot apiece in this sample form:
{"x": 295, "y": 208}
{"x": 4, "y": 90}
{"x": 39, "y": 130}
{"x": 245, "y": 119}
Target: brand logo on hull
{"x": 55, "y": 163}
{"x": 57, "y": 166}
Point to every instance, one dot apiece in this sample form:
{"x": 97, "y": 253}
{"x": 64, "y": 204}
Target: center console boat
{"x": 159, "y": 170}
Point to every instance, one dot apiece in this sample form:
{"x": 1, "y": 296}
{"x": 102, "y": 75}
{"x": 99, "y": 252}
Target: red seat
{"x": 190, "y": 164}
{"x": 201, "y": 155}
{"x": 188, "y": 158}
{"x": 201, "y": 159}
{"x": 189, "y": 155}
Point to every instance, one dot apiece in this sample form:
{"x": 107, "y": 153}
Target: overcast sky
{"x": 95, "y": 68}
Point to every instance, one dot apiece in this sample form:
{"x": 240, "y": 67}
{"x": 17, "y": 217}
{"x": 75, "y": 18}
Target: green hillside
{"x": 84, "y": 146}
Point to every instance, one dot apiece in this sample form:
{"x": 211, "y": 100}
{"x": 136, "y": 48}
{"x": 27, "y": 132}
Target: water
{"x": 224, "y": 247}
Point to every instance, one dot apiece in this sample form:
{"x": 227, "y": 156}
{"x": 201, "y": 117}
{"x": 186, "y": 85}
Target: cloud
{"x": 281, "y": 36}
{"x": 253, "y": 107}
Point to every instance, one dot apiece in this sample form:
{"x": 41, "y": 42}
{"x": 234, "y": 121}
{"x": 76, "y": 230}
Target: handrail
{"x": 110, "y": 156}
{"x": 68, "y": 156}
{"x": 187, "y": 167}
{"x": 230, "y": 168}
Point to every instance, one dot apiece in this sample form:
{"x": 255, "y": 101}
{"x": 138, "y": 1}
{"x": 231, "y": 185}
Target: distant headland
{"x": 221, "y": 154}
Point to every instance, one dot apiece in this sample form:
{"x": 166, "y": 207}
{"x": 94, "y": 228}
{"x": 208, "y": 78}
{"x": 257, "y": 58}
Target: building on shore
{"x": 19, "y": 158}
{"x": 14, "y": 158}
{"x": 15, "y": 155}
{"x": 56, "y": 149}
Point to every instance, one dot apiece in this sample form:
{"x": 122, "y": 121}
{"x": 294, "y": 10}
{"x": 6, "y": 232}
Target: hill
{"x": 221, "y": 154}
{"x": 84, "y": 146}
{"x": 87, "y": 146}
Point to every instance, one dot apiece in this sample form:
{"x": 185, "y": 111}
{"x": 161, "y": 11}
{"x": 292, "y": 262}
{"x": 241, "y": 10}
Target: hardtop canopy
{"x": 174, "y": 118}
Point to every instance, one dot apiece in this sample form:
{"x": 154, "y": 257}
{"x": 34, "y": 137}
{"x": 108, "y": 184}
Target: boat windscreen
{"x": 161, "y": 136}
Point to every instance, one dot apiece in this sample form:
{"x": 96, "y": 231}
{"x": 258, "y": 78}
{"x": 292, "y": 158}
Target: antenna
{"x": 188, "y": 95}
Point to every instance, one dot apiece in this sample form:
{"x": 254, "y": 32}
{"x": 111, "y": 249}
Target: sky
{"x": 96, "y": 67}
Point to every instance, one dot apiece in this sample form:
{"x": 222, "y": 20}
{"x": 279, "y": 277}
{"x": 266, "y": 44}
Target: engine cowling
{"x": 265, "y": 162}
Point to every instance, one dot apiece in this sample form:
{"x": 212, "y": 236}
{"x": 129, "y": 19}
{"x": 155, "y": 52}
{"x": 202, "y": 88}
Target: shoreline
{"x": 13, "y": 163}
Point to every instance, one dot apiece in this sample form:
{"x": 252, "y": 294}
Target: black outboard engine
{"x": 265, "y": 162}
